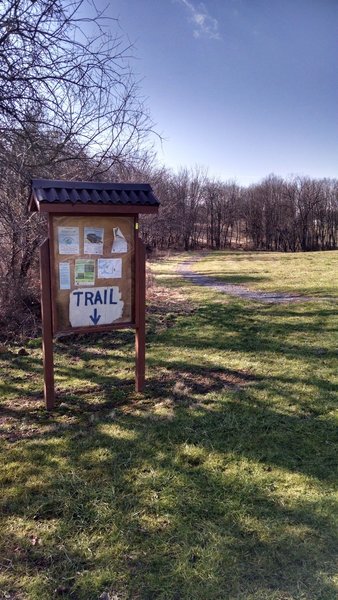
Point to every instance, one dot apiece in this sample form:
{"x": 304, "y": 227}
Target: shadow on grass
{"x": 185, "y": 526}
{"x": 186, "y": 491}
{"x": 257, "y": 328}
{"x": 230, "y": 278}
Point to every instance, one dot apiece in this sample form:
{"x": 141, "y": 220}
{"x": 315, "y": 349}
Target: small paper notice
{"x": 120, "y": 243}
{"x": 84, "y": 271}
{"x": 68, "y": 238}
{"x": 109, "y": 268}
{"x": 64, "y": 276}
{"x": 93, "y": 240}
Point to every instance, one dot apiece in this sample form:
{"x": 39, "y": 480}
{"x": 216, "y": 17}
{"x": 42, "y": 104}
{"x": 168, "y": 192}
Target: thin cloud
{"x": 204, "y": 24}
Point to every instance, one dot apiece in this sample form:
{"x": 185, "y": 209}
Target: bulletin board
{"x": 92, "y": 271}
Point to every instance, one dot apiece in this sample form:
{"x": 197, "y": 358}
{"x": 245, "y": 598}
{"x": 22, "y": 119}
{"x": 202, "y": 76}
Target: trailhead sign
{"x": 92, "y": 264}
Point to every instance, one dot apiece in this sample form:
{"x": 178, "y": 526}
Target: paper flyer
{"x": 93, "y": 240}
{"x": 64, "y": 275}
{"x": 109, "y": 268}
{"x": 84, "y": 271}
{"x": 68, "y": 238}
{"x": 120, "y": 243}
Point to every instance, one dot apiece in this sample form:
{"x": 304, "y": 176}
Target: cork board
{"x": 92, "y": 271}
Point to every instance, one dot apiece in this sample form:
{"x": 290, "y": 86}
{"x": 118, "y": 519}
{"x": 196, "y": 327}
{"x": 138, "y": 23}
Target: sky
{"x": 243, "y": 88}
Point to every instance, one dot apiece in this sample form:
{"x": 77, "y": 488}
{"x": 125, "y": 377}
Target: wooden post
{"x": 47, "y": 330}
{"x": 140, "y": 305}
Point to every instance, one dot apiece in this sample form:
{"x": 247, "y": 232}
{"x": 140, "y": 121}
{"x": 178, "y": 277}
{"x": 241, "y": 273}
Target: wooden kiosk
{"x": 92, "y": 264}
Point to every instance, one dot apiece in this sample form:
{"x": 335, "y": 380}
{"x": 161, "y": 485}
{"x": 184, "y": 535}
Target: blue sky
{"x": 242, "y": 87}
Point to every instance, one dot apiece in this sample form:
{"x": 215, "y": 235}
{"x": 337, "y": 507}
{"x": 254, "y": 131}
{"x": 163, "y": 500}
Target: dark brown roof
{"x": 46, "y": 191}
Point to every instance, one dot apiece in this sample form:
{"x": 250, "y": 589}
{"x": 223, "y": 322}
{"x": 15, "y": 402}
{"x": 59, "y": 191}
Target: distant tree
{"x": 307, "y": 196}
{"x": 222, "y": 210}
{"x": 189, "y": 188}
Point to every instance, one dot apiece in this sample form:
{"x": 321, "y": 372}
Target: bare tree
{"x": 69, "y": 108}
{"x": 221, "y": 201}
{"x": 70, "y": 76}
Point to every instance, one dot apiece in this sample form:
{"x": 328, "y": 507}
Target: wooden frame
{"x": 47, "y": 328}
{"x": 48, "y": 311}
{"x": 93, "y": 208}
{"x": 57, "y": 199}
{"x": 104, "y": 209}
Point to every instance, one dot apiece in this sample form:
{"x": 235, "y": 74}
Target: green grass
{"x": 219, "y": 482}
{"x": 306, "y": 273}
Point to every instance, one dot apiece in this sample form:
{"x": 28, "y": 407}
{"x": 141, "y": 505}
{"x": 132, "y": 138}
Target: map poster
{"x": 109, "y": 268}
{"x": 93, "y": 240}
{"x": 84, "y": 271}
{"x": 69, "y": 240}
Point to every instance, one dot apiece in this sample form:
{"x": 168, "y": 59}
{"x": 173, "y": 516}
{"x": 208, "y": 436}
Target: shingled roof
{"x": 51, "y": 195}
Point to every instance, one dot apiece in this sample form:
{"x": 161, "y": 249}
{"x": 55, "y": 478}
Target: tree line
{"x": 276, "y": 214}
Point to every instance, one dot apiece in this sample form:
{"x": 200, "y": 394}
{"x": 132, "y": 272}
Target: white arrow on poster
{"x": 120, "y": 243}
{"x": 95, "y": 306}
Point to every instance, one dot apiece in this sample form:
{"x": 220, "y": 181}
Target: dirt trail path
{"x": 184, "y": 269}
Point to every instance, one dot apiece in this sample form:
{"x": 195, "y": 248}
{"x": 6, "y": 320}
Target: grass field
{"x": 217, "y": 483}
{"x": 310, "y": 273}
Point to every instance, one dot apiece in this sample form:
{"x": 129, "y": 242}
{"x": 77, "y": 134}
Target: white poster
{"x": 109, "y": 268}
{"x": 120, "y": 243}
{"x": 95, "y": 306}
{"x": 69, "y": 240}
{"x": 93, "y": 240}
{"x": 64, "y": 275}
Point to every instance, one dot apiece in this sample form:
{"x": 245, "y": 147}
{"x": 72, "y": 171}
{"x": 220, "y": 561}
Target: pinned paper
{"x": 120, "y": 243}
{"x": 93, "y": 240}
{"x": 64, "y": 275}
{"x": 68, "y": 238}
{"x": 84, "y": 271}
{"x": 109, "y": 268}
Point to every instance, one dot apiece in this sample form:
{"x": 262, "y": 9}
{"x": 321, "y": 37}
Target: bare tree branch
{"x": 68, "y": 74}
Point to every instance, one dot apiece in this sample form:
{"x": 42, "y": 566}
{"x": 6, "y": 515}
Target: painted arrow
{"x": 95, "y": 317}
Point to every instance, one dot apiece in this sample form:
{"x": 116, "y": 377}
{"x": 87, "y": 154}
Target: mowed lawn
{"x": 218, "y": 482}
{"x": 309, "y": 273}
